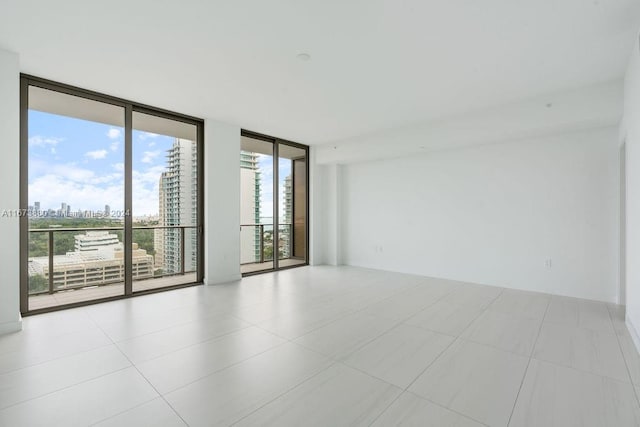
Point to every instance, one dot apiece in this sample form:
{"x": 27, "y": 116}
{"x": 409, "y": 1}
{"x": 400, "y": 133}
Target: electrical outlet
{"x": 548, "y": 263}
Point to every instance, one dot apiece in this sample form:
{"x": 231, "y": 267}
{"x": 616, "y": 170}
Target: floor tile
{"x": 42, "y": 349}
{"x": 617, "y": 314}
{"x": 556, "y": 396}
{"x": 82, "y": 404}
{"x": 631, "y": 356}
{"x": 34, "y": 381}
{"x": 507, "y": 332}
{"x": 446, "y": 318}
{"x": 475, "y": 380}
{"x": 589, "y": 350}
{"x": 404, "y": 305}
{"x": 411, "y": 410}
{"x": 338, "y": 396}
{"x": 441, "y": 287}
{"x": 57, "y": 323}
{"x": 472, "y": 295}
{"x": 155, "y": 344}
{"x": 360, "y": 337}
{"x": 344, "y": 336}
{"x": 579, "y": 313}
{"x": 133, "y": 325}
{"x": 181, "y": 367}
{"x": 267, "y": 309}
{"x": 231, "y": 394}
{"x": 400, "y": 355}
{"x": 156, "y": 413}
{"x": 300, "y": 322}
{"x": 521, "y": 303}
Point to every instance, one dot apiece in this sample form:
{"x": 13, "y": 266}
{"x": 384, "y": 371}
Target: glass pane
{"x": 256, "y": 205}
{"x": 292, "y": 198}
{"x": 76, "y": 199}
{"x": 165, "y": 202}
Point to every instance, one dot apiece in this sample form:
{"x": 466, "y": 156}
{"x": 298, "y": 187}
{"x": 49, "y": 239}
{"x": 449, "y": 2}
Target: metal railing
{"x": 51, "y": 271}
{"x": 265, "y": 234}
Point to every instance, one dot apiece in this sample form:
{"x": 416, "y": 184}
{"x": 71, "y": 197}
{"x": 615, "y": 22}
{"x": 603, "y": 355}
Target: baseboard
{"x": 11, "y": 327}
{"x": 634, "y": 334}
{"x": 221, "y": 280}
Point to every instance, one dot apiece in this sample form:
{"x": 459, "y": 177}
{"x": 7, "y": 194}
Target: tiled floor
{"x": 325, "y": 346}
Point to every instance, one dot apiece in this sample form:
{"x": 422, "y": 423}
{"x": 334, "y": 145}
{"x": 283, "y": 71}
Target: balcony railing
{"x": 89, "y": 269}
{"x": 262, "y": 242}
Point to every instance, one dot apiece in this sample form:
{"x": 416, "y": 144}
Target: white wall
{"x": 317, "y": 219}
{"x": 222, "y": 202}
{"x": 493, "y": 214}
{"x": 9, "y": 192}
{"x": 325, "y": 213}
{"x": 630, "y": 132}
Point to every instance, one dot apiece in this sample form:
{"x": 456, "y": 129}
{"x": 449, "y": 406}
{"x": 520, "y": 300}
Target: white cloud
{"x": 39, "y": 141}
{"x": 146, "y": 185}
{"x": 152, "y": 144}
{"x": 114, "y": 146}
{"x": 146, "y": 135}
{"x": 85, "y": 189}
{"x": 96, "y": 155}
{"x": 50, "y": 190}
{"x": 114, "y": 133}
{"x": 149, "y": 156}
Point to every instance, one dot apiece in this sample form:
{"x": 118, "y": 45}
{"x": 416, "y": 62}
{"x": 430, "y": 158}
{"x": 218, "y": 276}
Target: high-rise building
{"x": 179, "y": 207}
{"x": 249, "y": 207}
{"x": 287, "y": 227}
{"x": 288, "y": 200}
{"x": 159, "y": 233}
{"x": 107, "y": 211}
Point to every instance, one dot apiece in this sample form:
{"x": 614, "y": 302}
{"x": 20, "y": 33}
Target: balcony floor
{"x": 260, "y": 266}
{"x": 98, "y": 292}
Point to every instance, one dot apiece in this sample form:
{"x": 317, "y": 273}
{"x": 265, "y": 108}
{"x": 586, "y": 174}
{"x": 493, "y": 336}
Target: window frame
{"x": 276, "y": 199}
{"x": 129, "y": 107}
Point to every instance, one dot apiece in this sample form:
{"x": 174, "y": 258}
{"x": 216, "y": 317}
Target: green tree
{"x": 38, "y": 283}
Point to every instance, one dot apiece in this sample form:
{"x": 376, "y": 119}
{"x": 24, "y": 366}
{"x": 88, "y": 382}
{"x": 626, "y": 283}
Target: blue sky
{"x": 81, "y": 163}
{"x": 265, "y": 164}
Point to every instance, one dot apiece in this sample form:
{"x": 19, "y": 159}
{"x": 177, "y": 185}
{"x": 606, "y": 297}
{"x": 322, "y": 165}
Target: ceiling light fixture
{"x": 303, "y": 57}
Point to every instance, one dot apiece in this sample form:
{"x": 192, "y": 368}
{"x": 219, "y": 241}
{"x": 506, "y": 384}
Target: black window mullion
{"x": 128, "y": 200}
{"x": 276, "y": 200}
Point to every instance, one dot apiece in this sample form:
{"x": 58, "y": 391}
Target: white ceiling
{"x": 375, "y": 64}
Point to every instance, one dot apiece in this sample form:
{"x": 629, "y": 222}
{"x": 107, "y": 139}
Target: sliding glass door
{"x": 75, "y": 198}
{"x": 110, "y": 197}
{"x": 273, "y": 204}
{"x": 165, "y": 200}
{"x": 292, "y": 206}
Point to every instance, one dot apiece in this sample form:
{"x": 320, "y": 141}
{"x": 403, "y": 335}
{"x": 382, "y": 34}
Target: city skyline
{"x": 84, "y": 164}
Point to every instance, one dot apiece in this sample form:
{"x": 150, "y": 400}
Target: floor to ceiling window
{"x": 111, "y": 196}
{"x": 273, "y": 204}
